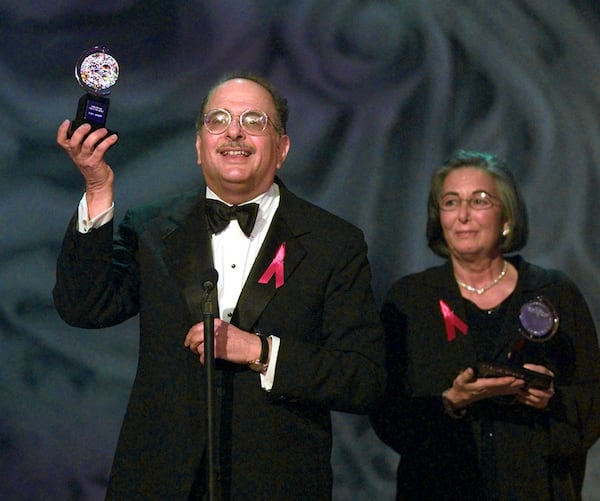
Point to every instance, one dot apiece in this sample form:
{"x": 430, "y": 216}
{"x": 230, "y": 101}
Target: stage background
{"x": 380, "y": 93}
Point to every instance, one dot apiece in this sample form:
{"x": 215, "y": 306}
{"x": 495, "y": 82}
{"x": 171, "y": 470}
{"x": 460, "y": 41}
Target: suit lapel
{"x": 187, "y": 245}
{"x": 189, "y": 255}
{"x": 255, "y": 296}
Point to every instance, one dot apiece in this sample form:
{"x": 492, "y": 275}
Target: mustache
{"x": 236, "y": 145}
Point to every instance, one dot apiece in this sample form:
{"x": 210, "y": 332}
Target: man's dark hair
{"x": 281, "y": 106}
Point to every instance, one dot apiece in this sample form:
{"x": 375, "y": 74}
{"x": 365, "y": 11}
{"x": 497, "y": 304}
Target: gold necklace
{"x": 479, "y": 292}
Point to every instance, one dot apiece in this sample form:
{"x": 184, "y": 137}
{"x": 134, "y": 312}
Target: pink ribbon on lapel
{"x": 275, "y": 268}
{"x": 452, "y": 322}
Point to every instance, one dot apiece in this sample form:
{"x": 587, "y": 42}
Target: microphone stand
{"x": 209, "y": 314}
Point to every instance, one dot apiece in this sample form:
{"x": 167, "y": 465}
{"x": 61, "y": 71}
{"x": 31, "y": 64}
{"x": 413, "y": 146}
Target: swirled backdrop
{"x": 380, "y": 92}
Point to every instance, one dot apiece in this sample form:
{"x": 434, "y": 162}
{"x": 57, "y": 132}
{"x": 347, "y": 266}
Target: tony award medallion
{"x": 96, "y": 71}
{"x": 539, "y": 320}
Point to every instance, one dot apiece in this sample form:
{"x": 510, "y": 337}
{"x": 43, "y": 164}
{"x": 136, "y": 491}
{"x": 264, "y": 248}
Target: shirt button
{"x": 233, "y": 265}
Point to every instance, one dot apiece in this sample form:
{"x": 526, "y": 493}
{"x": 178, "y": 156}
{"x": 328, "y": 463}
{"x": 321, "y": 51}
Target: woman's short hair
{"x": 513, "y": 205}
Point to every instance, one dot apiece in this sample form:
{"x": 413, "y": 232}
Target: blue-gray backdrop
{"x": 380, "y": 93}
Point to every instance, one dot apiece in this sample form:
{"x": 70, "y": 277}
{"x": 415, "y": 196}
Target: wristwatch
{"x": 261, "y": 365}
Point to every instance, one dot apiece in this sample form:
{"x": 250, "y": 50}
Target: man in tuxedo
{"x": 297, "y": 333}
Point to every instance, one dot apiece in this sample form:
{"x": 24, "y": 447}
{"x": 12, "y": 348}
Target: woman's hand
{"x": 534, "y": 397}
{"x": 466, "y": 389}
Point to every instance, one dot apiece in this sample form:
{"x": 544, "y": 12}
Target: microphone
{"x": 201, "y": 293}
{"x": 209, "y": 284}
{"x": 209, "y": 279}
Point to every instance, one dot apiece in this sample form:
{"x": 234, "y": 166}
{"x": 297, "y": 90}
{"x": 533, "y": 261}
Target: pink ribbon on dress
{"x": 452, "y": 322}
{"x": 275, "y": 268}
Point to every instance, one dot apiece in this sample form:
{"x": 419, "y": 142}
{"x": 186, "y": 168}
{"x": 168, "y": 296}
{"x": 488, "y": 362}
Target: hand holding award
{"x": 539, "y": 323}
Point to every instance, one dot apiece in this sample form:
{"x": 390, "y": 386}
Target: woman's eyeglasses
{"x": 480, "y": 200}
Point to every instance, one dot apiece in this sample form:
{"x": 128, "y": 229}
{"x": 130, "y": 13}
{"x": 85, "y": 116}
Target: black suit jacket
{"x": 274, "y": 445}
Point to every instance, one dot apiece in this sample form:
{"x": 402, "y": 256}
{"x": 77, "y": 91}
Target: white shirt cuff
{"x": 85, "y": 224}
{"x": 266, "y": 380}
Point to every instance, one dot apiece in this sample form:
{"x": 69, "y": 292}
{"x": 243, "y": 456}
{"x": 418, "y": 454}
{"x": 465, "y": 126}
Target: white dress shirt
{"x": 234, "y": 255}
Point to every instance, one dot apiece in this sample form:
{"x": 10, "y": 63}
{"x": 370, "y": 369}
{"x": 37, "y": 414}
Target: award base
{"x": 92, "y": 110}
{"x": 533, "y": 379}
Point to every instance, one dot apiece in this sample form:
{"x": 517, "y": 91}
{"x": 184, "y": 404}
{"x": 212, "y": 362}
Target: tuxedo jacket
{"x": 271, "y": 445}
{"x": 537, "y": 454}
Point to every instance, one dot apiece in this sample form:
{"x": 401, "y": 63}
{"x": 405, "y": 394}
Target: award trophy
{"x": 96, "y": 71}
{"x": 539, "y": 322}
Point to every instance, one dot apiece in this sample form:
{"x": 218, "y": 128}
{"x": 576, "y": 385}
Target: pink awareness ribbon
{"x": 275, "y": 268}
{"x": 452, "y": 322}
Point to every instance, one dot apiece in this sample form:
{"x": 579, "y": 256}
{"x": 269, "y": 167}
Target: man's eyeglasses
{"x": 480, "y": 200}
{"x": 251, "y": 121}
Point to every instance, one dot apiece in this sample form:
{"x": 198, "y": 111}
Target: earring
{"x": 505, "y": 231}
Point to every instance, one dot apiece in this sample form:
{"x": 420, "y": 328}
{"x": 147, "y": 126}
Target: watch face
{"x": 97, "y": 71}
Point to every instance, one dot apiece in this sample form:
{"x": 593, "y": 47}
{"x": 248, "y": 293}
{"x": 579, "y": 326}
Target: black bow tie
{"x": 218, "y": 215}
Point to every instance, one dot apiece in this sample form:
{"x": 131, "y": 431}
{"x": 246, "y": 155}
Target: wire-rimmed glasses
{"x": 480, "y": 200}
{"x": 251, "y": 121}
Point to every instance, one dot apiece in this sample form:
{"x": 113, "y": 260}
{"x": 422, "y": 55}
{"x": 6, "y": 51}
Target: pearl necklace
{"x": 479, "y": 292}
